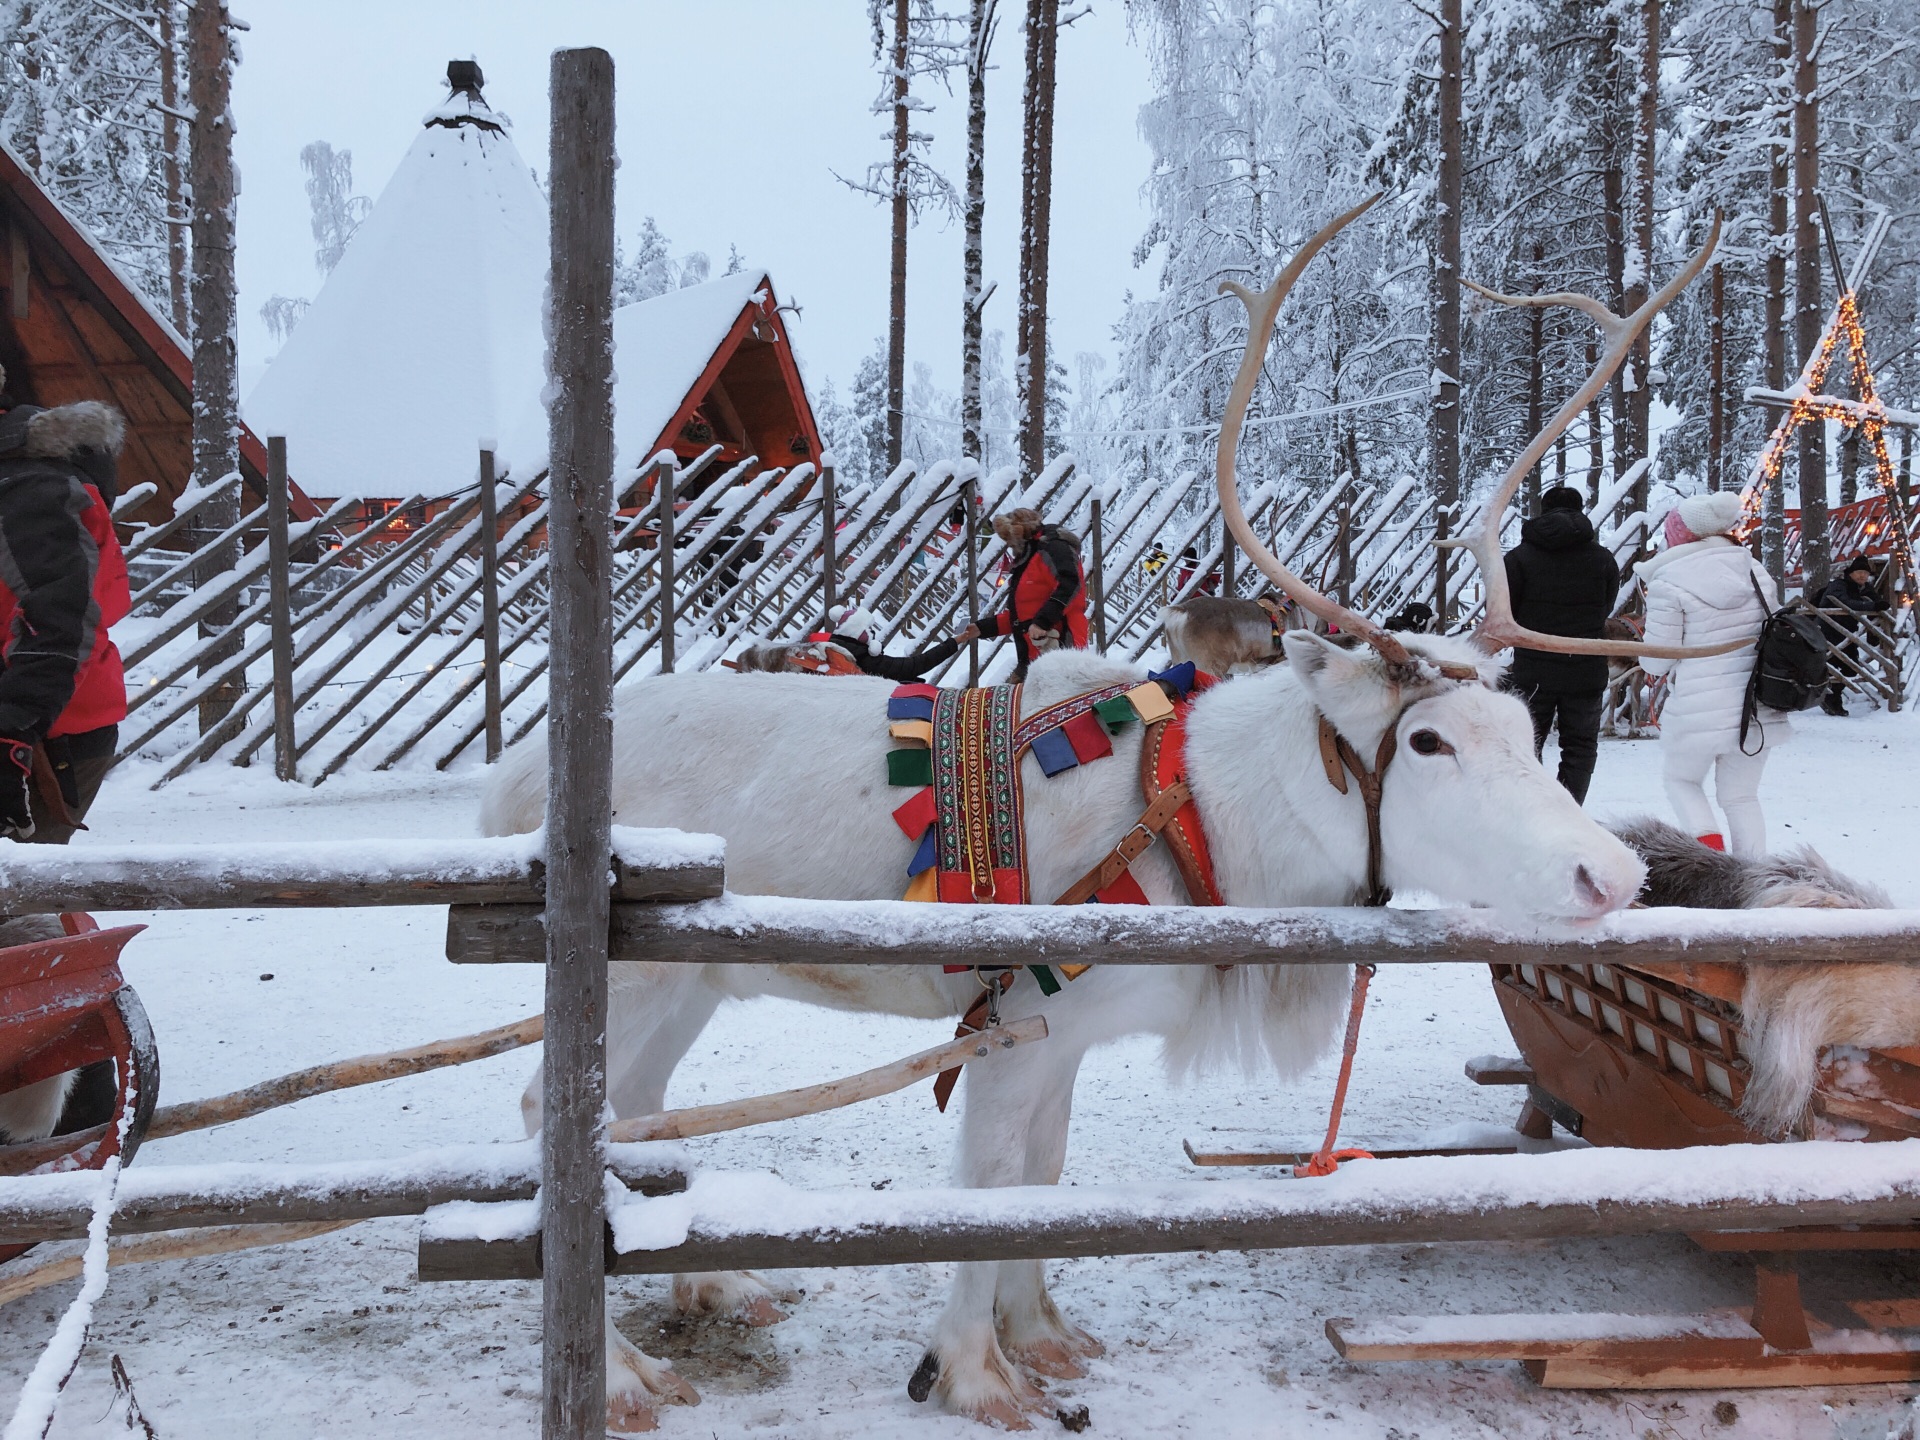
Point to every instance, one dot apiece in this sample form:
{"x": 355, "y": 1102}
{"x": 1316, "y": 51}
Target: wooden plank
{"x": 975, "y": 1225}
{"x": 1499, "y": 1070}
{"x": 580, "y": 744}
{"x": 1300, "y": 1149}
{"x": 169, "y": 1197}
{"x": 1845, "y": 1237}
{"x": 1723, "y": 1336}
{"x": 280, "y": 610}
{"x": 753, "y": 929}
{"x": 1839, "y": 1357}
{"x": 46, "y": 880}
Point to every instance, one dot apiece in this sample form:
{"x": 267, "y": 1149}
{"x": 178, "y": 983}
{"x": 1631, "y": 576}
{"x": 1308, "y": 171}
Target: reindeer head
{"x": 1466, "y": 810}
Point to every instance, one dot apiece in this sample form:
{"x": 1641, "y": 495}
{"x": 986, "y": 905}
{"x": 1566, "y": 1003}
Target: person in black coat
{"x": 1853, "y": 592}
{"x": 1564, "y": 582}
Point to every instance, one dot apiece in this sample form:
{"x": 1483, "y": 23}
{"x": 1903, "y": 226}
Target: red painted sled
{"x": 65, "y": 1006}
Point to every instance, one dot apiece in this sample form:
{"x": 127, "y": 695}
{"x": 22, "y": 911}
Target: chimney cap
{"x": 464, "y": 77}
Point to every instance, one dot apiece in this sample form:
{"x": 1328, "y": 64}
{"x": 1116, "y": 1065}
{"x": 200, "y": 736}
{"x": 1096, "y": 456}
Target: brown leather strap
{"x": 971, "y": 1023}
{"x": 1184, "y": 860}
{"x": 1131, "y": 847}
{"x": 1369, "y": 780}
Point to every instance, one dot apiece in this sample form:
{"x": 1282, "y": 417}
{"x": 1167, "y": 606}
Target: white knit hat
{"x": 1712, "y": 514}
{"x": 856, "y": 621}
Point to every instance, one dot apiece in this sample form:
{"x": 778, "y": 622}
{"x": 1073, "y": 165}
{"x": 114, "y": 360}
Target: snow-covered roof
{"x": 427, "y": 335}
{"x": 661, "y": 347}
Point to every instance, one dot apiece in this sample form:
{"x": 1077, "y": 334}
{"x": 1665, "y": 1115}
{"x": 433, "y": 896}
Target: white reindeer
{"x": 792, "y": 772}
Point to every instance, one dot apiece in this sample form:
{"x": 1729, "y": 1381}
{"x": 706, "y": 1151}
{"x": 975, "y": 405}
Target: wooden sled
{"x": 1654, "y": 1057}
{"x": 63, "y": 1006}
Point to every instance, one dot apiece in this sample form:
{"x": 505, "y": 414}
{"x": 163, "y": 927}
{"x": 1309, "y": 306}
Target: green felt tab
{"x": 910, "y": 767}
{"x": 1048, "y": 985}
{"x": 1116, "y": 712}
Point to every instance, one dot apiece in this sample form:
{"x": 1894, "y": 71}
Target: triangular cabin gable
{"x": 749, "y": 399}
{"x": 72, "y": 327}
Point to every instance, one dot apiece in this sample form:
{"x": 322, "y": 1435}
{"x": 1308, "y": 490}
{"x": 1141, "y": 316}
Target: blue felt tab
{"x": 924, "y": 857}
{"x": 915, "y": 707}
{"x": 1180, "y": 677}
{"x": 1054, "y": 751}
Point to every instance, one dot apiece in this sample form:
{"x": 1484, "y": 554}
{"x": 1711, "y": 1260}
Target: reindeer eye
{"x": 1428, "y": 742}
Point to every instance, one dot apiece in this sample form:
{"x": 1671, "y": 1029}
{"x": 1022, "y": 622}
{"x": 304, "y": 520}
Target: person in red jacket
{"x": 1046, "y": 606}
{"x": 63, "y": 584}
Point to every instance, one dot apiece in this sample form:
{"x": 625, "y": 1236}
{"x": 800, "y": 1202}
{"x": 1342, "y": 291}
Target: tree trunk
{"x": 175, "y": 180}
{"x": 1808, "y": 317}
{"x": 1536, "y": 380}
{"x": 1613, "y": 220}
{"x": 897, "y": 305}
{"x": 1036, "y": 195}
{"x": 1773, "y": 523}
{"x": 216, "y": 400}
{"x": 1444, "y": 424}
{"x": 1596, "y": 455}
{"x": 979, "y": 41}
{"x": 1640, "y": 271}
{"x": 1717, "y": 379}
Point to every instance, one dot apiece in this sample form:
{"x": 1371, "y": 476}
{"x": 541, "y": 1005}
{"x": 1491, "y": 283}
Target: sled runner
{"x": 64, "y": 1006}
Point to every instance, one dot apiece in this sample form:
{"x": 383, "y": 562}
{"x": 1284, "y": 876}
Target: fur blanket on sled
{"x": 1791, "y": 1011}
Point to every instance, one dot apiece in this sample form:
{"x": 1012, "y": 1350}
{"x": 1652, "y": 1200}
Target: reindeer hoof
{"x": 740, "y": 1295}
{"x": 1052, "y": 1358}
{"x": 630, "y": 1415}
{"x": 924, "y": 1374}
{"x": 1077, "y": 1419}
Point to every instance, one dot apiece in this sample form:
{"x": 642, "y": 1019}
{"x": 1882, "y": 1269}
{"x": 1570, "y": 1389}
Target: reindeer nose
{"x": 1591, "y": 894}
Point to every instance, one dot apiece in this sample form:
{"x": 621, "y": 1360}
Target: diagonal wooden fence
{"x": 420, "y": 637}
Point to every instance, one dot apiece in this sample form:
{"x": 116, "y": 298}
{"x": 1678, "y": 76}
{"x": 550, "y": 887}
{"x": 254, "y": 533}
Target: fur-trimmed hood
{"x": 65, "y": 432}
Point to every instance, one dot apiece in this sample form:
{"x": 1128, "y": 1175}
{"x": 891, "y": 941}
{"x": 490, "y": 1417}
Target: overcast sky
{"x": 733, "y": 116}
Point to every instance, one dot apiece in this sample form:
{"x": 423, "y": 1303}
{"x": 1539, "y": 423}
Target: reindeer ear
{"x": 1323, "y": 667}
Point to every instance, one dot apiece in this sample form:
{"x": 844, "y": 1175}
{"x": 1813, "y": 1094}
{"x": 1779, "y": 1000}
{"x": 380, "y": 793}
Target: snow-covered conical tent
{"x": 427, "y": 335}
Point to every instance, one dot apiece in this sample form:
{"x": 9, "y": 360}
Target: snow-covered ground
{"x": 335, "y": 1337}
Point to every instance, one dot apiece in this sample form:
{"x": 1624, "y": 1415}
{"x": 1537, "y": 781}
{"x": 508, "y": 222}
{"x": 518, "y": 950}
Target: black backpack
{"x": 1790, "y": 666}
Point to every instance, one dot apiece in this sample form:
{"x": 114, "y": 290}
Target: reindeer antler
{"x": 1498, "y": 629}
{"x": 1262, "y": 310}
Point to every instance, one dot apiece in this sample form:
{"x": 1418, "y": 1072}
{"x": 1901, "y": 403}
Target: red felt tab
{"x": 919, "y": 692}
{"x": 1124, "y": 891}
{"x": 917, "y": 814}
{"x": 956, "y": 888}
{"x": 1087, "y": 736}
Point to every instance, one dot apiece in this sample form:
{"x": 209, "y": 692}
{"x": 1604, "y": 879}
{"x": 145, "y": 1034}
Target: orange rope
{"x": 1327, "y": 1159}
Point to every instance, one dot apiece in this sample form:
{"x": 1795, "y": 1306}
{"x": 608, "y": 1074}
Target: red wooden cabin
{"x": 72, "y": 327}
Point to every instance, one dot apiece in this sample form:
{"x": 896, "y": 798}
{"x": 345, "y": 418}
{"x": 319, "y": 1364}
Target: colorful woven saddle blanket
{"x": 959, "y": 751}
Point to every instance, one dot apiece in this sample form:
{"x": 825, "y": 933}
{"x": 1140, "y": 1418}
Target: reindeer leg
{"x": 654, "y": 1014}
{"x": 964, "y": 1365}
{"x": 1031, "y": 1329}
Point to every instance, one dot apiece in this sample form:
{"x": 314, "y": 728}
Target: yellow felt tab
{"x": 924, "y": 887}
{"x": 921, "y": 730}
{"x": 1152, "y": 703}
{"x": 1073, "y": 972}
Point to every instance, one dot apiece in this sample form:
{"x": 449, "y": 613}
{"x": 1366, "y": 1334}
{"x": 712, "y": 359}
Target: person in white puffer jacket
{"x": 1704, "y": 589}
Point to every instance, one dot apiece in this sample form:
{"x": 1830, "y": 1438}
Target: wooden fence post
{"x": 280, "y": 609}
{"x": 970, "y": 534}
{"x": 580, "y": 764}
{"x": 663, "y": 550}
{"x": 1226, "y": 560}
{"x": 829, "y": 560}
{"x": 1098, "y": 587}
{"x": 490, "y": 599}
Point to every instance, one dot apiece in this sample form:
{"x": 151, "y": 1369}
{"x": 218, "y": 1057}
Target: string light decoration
{"x": 1808, "y": 406}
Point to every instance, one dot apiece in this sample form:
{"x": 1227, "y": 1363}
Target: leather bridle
{"x": 1339, "y": 757}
